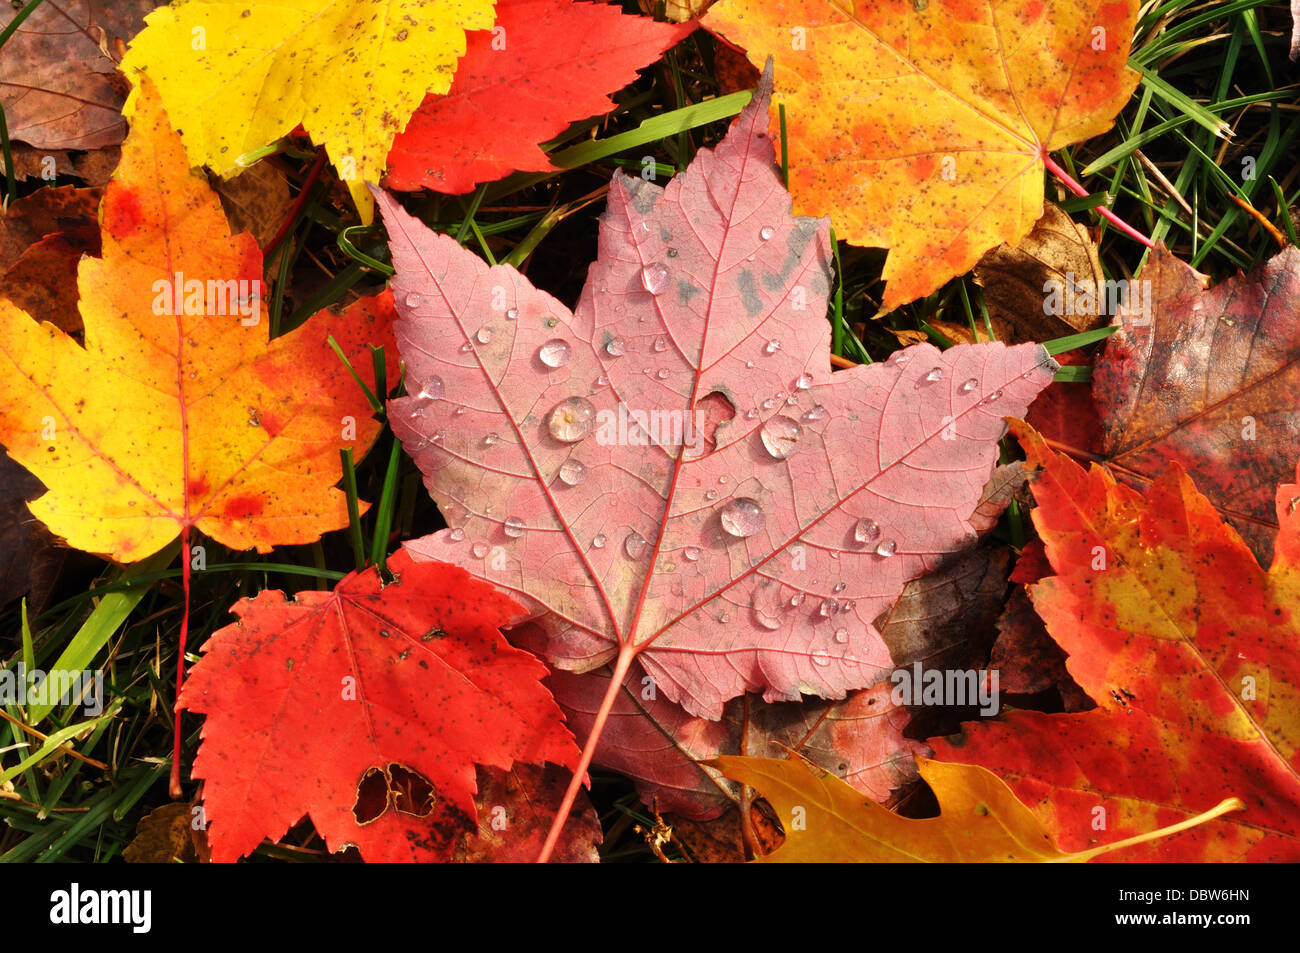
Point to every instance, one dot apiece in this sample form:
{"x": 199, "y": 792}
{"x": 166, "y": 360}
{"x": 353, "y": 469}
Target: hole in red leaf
{"x": 395, "y": 787}
{"x": 711, "y": 411}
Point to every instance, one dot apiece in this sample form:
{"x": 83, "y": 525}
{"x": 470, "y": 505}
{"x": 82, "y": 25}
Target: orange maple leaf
{"x": 178, "y": 412}
{"x": 925, "y": 128}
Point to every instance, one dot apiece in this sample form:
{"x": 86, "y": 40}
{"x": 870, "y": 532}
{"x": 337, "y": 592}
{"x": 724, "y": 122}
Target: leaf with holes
{"x": 1191, "y": 652}
{"x": 543, "y": 65}
{"x": 179, "y": 412}
{"x": 671, "y": 472}
{"x": 366, "y": 708}
{"x": 925, "y": 128}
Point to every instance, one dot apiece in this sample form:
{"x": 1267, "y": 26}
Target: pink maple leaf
{"x": 671, "y": 473}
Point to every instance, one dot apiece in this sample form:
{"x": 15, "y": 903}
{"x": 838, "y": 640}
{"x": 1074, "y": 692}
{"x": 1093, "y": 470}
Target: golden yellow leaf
{"x": 826, "y": 821}
{"x": 236, "y": 75}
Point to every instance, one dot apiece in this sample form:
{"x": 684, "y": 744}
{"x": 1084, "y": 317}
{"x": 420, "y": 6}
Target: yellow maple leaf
{"x": 922, "y": 126}
{"x": 179, "y": 412}
{"x": 980, "y": 819}
{"x": 236, "y": 75}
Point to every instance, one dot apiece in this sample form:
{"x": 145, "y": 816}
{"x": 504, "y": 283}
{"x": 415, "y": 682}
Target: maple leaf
{"x": 167, "y": 421}
{"x": 980, "y": 820}
{"x": 59, "y": 89}
{"x": 1189, "y": 650}
{"x": 545, "y": 64}
{"x": 925, "y": 128}
{"x": 728, "y": 554}
{"x": 736, "y": 561}
{"x": 236, "y": 75}
{"x": 349, "y": 684}
{"x": 1209, "y": 380}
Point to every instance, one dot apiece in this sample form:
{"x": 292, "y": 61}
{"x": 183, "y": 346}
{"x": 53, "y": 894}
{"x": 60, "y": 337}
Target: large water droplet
{"x": 828, "y": 608}
{"x": 821, "y": 658}
{"x": 797, "y": 599}
{"x": 456, "y": 535}
{"x": 479, "y": 549}
{"x": 634, "y": 545}
{"x": 866, "y": 531}
{"x": 772, "y": 346}
{"x": 780, "y": 436}
{"x": 512, "y": 314}
{"x": 615, "y": 347}
{"x": 572, "y": 472}
{"x": 766, "y": 232}
{"x": 841, "y": 636}
{"x": 484, "y": 335}
{"x": 968, "y": 385}
{"x": 692, "y": 553}
{"x": 886, "y": 548}
{"x": 514, "y": 527}
{"x": 742, "y": 517}
{"x": 432, "y": 390}
{"x": 661, "y": 344}
{"x": 413, "y": 300}
{"x": 598, "y": 541}
{"x": 804, "y": 382}
{"x": 572, "y": 419}
{"x": 655, "y": 278}
{"x": 935, "y": 374}
{"x": 554, "y": 353}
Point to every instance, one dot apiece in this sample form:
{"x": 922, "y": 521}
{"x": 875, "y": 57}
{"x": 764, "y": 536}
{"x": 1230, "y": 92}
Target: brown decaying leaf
{"x": 515, "y": 809}
{"x": 1212, "y": 382}
{"x": 42, "y": 238}
{"x": 256, "y": 201}
{"x": 165, "y": 835}
{"x": 30, "y": 558}
{"x": 59, "y": 88}
{"x": 1015, "y": 281}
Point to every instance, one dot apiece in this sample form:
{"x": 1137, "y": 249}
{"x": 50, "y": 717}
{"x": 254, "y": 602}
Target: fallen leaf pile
{"x": 662, "y": 537}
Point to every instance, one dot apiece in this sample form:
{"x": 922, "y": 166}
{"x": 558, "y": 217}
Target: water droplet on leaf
{"x": 742, "y": 517}
{"x": 572, "y": 419}
{"x": 655, "y": 278}
{"x": 554, "y": 353}
{"x": 572, "y": 472}
{"x": 780, "y": 436}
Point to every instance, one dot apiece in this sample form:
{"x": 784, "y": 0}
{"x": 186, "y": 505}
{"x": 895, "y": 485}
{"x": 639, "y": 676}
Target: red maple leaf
{"x": 406, "y": 686}
{"x": 545, "y": 64}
